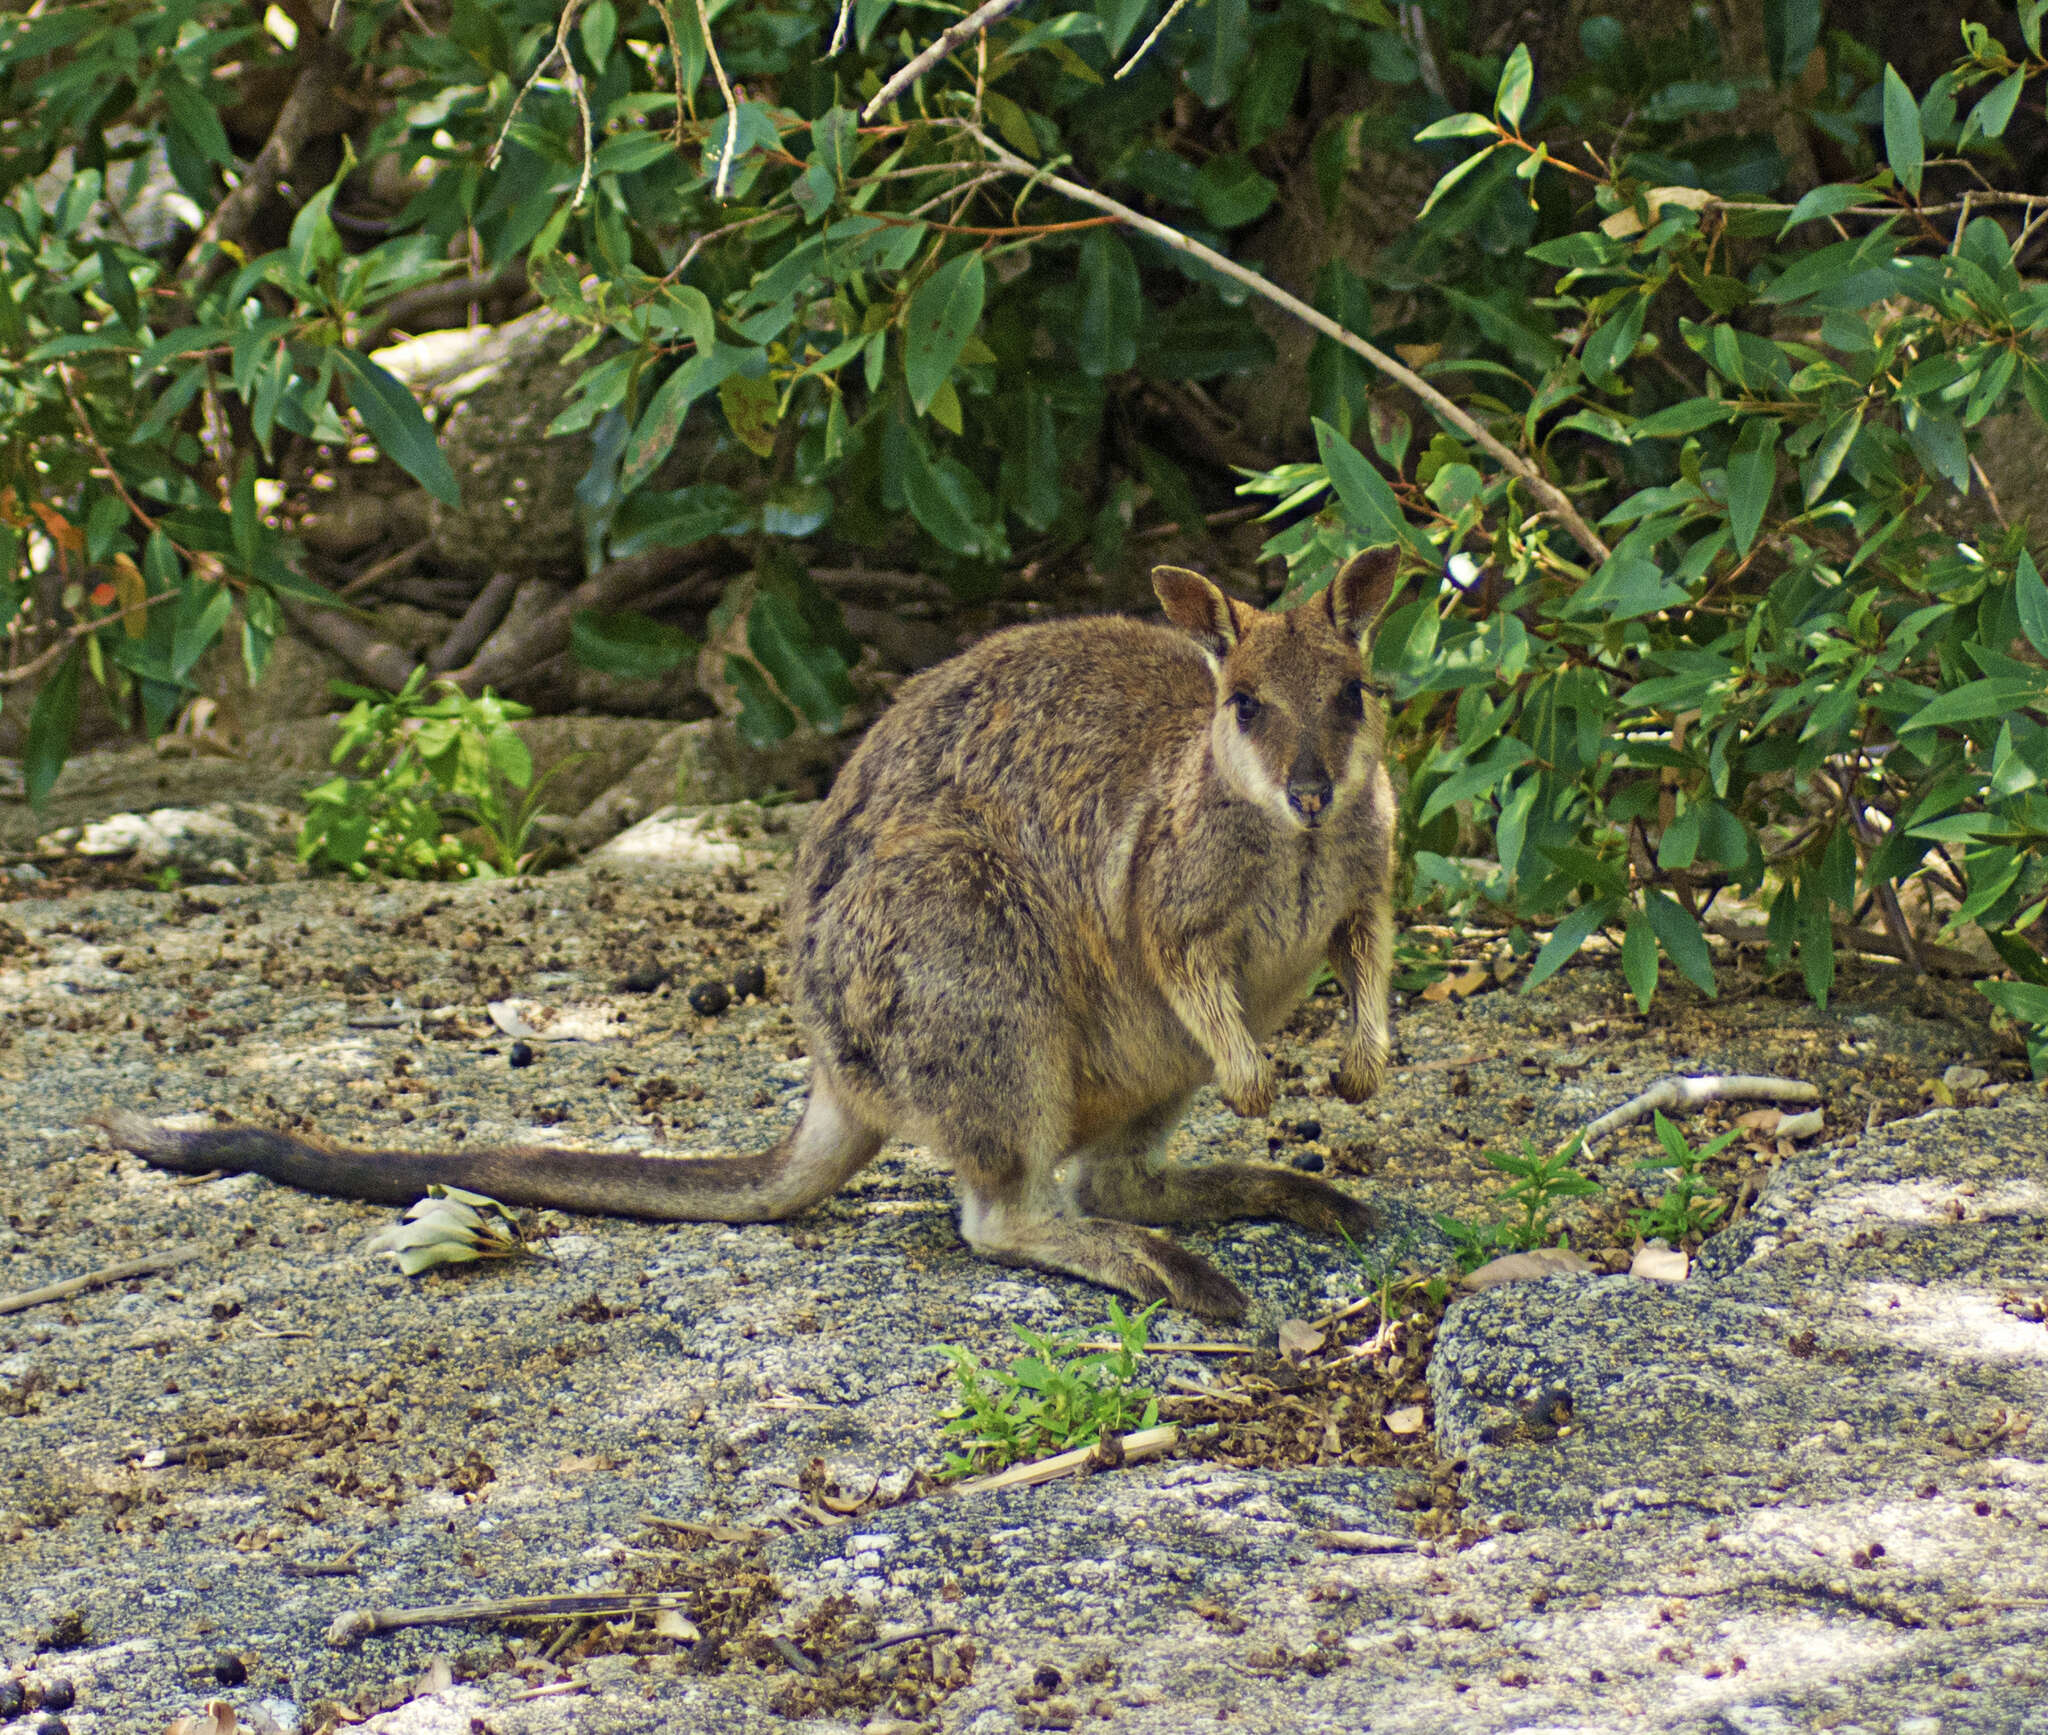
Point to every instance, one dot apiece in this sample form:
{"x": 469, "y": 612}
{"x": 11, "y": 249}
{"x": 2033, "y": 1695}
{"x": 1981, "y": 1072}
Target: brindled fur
{"x": 1068, "y": 878}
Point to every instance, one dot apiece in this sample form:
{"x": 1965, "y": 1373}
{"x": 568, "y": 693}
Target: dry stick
{"x": 839, "y": 30}
{"x": 1688, "y": 1093}
{"x": 295, "y": 129}
{"x": 354, "y": 1625}
{"x": 1554, "y": 499}
{"x": 478, "y": 622}
{"x": 732, "y": 107}
{"x": 1136, "y": 1448}
{"x": 71, "y": 1286}
{"x": 390, "y": 566}
{"x": 1939, "y": 960}
{"x": 434, "y": 299}
{"x": 949, "y": 39}
{"x": 1364, "y": 1542}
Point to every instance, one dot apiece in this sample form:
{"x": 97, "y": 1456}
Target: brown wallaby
{"x": 1068, "y": 877}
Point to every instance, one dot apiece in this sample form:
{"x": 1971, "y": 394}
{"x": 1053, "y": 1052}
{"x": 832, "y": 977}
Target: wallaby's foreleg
{"x": 1204, "y": 998}
{"x": 1362, "y": 959}
{"x": 814, "y": 1159}
{"x": 1127, "y": 1177}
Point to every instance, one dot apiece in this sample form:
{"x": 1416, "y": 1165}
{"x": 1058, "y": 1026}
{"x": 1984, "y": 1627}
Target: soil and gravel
{"x": 1802, "y": 1489}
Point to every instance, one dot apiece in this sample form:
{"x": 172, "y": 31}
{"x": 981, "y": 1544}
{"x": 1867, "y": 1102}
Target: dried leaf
{"x": 1761, "y": 1120}
{"x": 1801, "y": 1126}
{"x": 671, "y": 1623}
{"x": 1461, "y": 986}
{"x": 593, "y": 1021}
{"x": 1523, "y": 1267}
{"x": 1962, "y": 1078}
{"x": 1659, "y": 1263}
{"x": 1298, "y": 1338}
{"x": 217, "y": 1719}
{"x": 1406, "y": 1420}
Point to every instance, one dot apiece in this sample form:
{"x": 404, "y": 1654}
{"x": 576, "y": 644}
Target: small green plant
{"x": 1688, "y": 1207}
{"x": 427, "y": 772}
{"x": 1059, "y": 1395}
{"x": 1536, "y": 1184}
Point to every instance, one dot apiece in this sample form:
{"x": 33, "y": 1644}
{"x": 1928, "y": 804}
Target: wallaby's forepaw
{"x": 1252, "y": 1096}
{"x": 1360, "y": 1073}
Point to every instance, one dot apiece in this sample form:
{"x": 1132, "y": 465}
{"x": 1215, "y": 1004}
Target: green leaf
{"x": 1791, "y": 31}
{"x": 392, "y": 415}
{"x": 1565, "y": 940}
{"x": 51, "y": 720}
{"x": 1615, "y": 341}
{"x": 1457, "y": 126}
{"x": 946, "y": 501}
{"x": 662, "y": 420}
{"x": 1511, "y": 97}
{"x": 1752, "y": 479}
{"x": 197, "y": 119}
{"x": 1989, "y": 119}
{"x": 1686, "y": 417}
{"x": 1452, "y": 178}
{"x": 938, "y": 322}
{"x": 2025, "y": 1001}
{"x": 1367, "y": 499}
{"x": 1231, "y": 193}
{"x": 630, "y": 645}
{"x": 752, "y": 408}
{"x": 1828, "y": 200}
{"x": 1974, "y": 702}
{"x": 1904, "y": 148}
{"x": 600, "y": 27}
{"x": 764, "y": 719}
{"x": 811, "y": 676}
{"x": 1639, "y": 959}
{"x": 1112, "y": 304}
{"x": 2032, "y": 597}
{"x": 1678, "y": 932}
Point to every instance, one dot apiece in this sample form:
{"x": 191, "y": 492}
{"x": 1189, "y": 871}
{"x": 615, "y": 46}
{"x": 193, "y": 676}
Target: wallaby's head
{"x": 1298, "y": 726}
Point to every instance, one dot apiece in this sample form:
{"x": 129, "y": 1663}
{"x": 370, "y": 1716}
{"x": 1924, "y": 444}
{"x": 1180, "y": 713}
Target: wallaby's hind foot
{"x": 1133, "y": 1192}
{"x": 1118, "y": 1256}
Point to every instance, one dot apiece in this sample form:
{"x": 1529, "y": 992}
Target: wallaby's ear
{"x": 1215, "y": 621}
{"x": 1360, "y": 591}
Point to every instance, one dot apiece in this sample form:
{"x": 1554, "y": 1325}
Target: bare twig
{"x": 1363, "y": 1542}
{"x": 1131, "y": 1449}
{"x": 147, "y": 1267}
{"x": 732, "y": 107}
{"x": 389, "y": 567}
{"x": 355, "y": 1625}
{"x": 298, "y": 123}
{"x": 1937, "y": 960}
{"x": 432, "y": 299}
{"x": 894, "y": 1639}
{"x": 1553, "y": 498}
{"x": 1688, "y": 1093}
{"x": 1144, "y": 48}
{"x": 948, "y": 39}
{"x": 839, "y": 29}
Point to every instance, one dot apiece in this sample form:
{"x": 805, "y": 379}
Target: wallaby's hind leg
{"x": 1118, "y": 1256}
{"x": 1126, "y": 1176}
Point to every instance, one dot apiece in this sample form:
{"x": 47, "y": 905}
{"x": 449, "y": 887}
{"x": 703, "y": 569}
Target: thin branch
{"x": 355, "y": 1625}
{"x": 839, "y": 30}
{"x": 1145, "y": 47}
{"x": 1552, "y": 497}
{"x": 1685, "y": 1093}
{"x": 1130, "y": 1449}
{"x": 675, "y": 63}
{"x": 573, "y": 79}
{"x": 84, "y": 629}
{"x": 732, "y": 107}
{"x": 99, "y": 1279}
{"x": 949, "y": 39}
{"x": 390, "y": 566}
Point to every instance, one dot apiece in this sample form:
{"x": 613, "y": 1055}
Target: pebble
{"x": 710, "y": 998}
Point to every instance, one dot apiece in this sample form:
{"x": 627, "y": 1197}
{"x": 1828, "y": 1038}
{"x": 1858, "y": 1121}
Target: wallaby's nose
{"x": 1308, "y": 796}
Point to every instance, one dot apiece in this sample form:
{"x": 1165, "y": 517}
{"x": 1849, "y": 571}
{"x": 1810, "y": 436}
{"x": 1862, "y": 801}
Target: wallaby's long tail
{"x": 817, "y": 1157}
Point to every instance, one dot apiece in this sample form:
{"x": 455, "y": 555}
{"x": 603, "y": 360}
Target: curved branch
{"x": 949, "y": 39}
{"x": 1553, "y": 498}
{"x": 298, "y": 123}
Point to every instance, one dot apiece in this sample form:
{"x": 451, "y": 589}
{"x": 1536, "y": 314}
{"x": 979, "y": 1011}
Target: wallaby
{"x": 1068, "y": 877}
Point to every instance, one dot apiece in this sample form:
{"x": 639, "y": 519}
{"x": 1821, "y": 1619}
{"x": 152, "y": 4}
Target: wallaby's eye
{"x": 1351, "y": 699}
{"x": 1247, "y": 709}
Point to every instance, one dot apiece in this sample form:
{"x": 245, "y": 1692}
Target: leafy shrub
{"x": 428, "y": 772}
{"x": 1059, "y": 1395}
